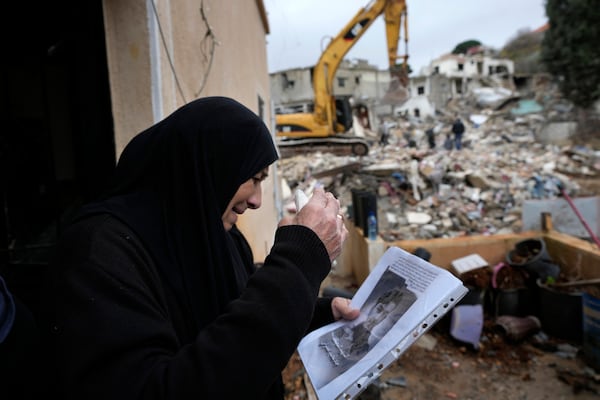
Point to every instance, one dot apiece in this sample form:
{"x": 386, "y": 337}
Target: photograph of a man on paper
{"x": 346, "y": 345}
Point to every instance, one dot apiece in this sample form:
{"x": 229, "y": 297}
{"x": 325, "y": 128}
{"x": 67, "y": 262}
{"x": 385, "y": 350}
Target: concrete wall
{"x": 361, "y": 80}
{"x": 163, "y": 54}
{"x": 291, "y": 87}
{"x": 472, "y": 66}
{"x": 161, "y": 57}
{"x": 372, "y": 84}
{"x": 440, "y": 90}
{"x": 128, "y": 54}
{"x": 420, "y": 103}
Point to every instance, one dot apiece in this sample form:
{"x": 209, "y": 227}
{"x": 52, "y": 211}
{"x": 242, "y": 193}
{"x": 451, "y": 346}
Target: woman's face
{"x": 248, "y": 195}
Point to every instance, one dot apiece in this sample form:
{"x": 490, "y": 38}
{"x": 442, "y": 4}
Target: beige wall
{"x": 129, "y": 69}
{"x": 193, "y": 49}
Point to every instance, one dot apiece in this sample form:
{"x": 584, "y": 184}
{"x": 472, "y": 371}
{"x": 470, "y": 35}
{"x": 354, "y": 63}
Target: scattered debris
{"x": 429, "y": 193}
{"x": 514, "y": 151}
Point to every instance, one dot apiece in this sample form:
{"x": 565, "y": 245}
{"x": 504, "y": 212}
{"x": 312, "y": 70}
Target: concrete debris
{"x": 491, "y": 96}
{"x": 425, "y": 192}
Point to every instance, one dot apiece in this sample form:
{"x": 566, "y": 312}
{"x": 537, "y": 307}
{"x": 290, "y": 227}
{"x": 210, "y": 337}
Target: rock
{"x": 418, "y": 218}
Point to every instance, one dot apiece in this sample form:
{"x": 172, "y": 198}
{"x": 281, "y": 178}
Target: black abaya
{"x": 151, "y": 298}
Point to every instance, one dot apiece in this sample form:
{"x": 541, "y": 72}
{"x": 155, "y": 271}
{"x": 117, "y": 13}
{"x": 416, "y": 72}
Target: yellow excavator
{"x": 328, "y": 125}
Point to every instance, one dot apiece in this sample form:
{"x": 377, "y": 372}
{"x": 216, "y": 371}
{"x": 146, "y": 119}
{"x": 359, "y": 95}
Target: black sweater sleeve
{"x": 114, "y": 331}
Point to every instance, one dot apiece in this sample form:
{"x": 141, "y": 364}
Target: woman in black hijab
{"x": 153, "y": 294}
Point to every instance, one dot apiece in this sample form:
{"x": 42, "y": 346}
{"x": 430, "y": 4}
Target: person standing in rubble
{"x": 430, "y": 133}
{"x": 384, "y": 133}
{"x": 153, "y": 293}
{"x": 448, "y": 142}
{"x": 458, "y": 128}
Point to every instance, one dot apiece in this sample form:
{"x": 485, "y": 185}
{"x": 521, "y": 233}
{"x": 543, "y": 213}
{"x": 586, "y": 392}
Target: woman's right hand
{"x": 322, "y": 215}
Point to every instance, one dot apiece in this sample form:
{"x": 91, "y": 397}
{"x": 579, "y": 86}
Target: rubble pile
{"x": 425, "y": 192}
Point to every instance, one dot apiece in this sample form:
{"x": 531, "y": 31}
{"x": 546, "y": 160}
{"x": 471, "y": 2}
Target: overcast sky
{"x": 300, "y": 28}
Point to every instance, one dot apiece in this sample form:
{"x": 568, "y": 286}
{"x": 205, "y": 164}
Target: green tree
{"x": 571, "y": 48}
{"x": 462, "y": 48}
{"x": 524, "y": 49}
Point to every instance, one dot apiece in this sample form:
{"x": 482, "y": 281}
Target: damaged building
{"x": 447, "y": 77}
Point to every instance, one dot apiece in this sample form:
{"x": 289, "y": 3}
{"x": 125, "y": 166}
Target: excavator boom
{"x": 331, "y": 118}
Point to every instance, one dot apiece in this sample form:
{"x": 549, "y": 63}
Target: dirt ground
{"x": 438, "y": 367}
{"x": 535, "y": 367}
{"x": 589, "y": 186}
{"x": 497, "y": 370}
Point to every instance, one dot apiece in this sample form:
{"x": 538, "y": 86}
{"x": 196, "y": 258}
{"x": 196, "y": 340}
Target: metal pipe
{"x": 585, "y": 224}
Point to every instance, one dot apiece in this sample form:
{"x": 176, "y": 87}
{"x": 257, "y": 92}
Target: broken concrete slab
{"x": 564, "y": 219}
{"x": 558, "y": 133}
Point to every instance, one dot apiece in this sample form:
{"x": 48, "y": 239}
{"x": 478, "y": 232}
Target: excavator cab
{"x": 343, "y": 113}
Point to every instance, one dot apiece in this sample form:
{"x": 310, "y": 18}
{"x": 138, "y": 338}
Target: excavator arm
{"x": 327, "y": 66}
{"x": 323, "y": 121}
{"x": 396, "y": 19}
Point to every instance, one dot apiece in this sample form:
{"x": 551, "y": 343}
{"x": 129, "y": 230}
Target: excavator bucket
{"x": 397, "y": 92}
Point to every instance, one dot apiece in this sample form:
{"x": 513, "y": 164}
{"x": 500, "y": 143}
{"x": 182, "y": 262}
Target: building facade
{"x": 90, "y": 75}
{"x": 447, "y": 77}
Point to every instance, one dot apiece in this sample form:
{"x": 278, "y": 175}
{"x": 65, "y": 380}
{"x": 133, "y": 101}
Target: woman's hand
{"x": 340, "y": 307}
{"x": 322, "y": 215}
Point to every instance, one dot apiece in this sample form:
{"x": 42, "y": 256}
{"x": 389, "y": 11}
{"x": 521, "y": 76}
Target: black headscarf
{"x": 173, "y": 183}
